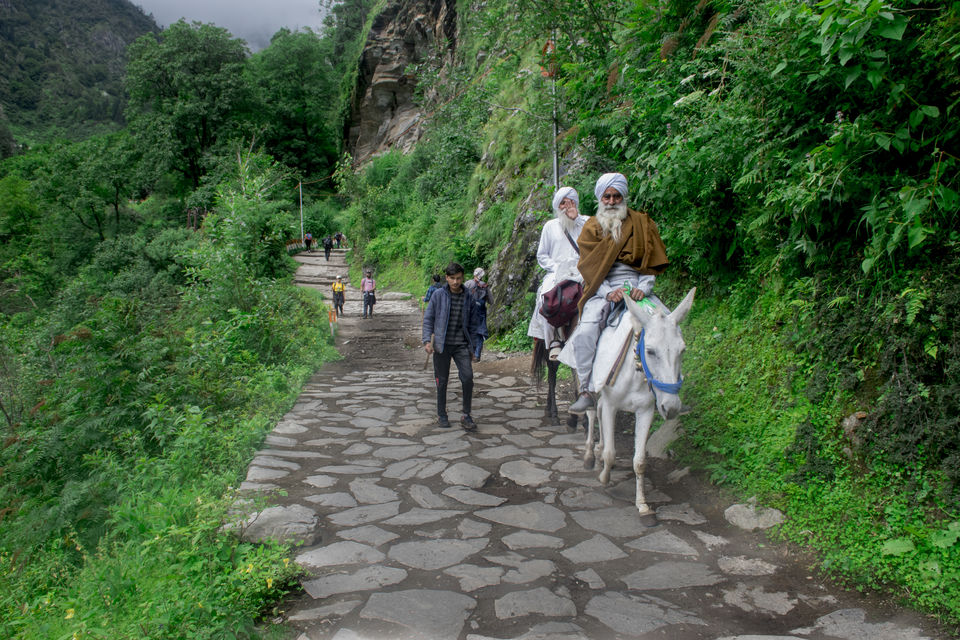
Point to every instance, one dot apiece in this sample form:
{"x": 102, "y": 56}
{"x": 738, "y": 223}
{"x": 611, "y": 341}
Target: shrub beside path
{"x": 410, "y": 531}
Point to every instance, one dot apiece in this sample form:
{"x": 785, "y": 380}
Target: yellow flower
{"x": 70, "y": 613}
{"x": 249, "y": 568}
{"x": 286, "y": 561}
{"x": 269, "y": 583}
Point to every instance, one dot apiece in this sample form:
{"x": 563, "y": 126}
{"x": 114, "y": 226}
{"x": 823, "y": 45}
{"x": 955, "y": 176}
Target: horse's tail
{"x": 538, "y": 363}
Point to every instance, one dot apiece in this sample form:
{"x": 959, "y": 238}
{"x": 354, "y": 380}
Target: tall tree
{"x": 187, "y": 95}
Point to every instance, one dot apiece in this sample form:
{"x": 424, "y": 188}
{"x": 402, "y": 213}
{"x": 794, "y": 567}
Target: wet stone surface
{"x": 411, "y": 531}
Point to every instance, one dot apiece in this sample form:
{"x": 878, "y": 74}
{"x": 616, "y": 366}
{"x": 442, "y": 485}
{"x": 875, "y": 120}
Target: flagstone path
{"x": 411, "y": 531}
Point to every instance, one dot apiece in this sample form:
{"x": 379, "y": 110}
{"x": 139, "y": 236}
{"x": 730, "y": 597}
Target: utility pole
{"x": 300, "y": 187}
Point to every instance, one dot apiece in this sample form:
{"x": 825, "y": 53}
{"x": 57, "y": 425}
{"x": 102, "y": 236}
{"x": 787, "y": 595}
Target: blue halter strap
{"x": 665, "y": 387}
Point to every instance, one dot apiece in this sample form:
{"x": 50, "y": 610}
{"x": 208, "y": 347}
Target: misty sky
{"x": 253, "y": 20}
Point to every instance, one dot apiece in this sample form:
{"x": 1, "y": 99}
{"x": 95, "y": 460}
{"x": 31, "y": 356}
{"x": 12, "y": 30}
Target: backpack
{"x": 560, "y": 303}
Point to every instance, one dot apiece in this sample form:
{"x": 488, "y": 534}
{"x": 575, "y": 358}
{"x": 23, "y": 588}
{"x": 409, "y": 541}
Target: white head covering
{"x": 565, "y": 192}
{"x": 616, "y": 180}
{"x": 478, "y": 273}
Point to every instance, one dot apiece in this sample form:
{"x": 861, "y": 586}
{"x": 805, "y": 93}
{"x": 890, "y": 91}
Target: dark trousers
{"x": 460, "y": 354}
{"x": 368, "y": 302}
{"x": 326, "y": 253}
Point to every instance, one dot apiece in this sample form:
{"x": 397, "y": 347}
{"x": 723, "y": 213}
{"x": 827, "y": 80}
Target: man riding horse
{"x": 618, "y": 245}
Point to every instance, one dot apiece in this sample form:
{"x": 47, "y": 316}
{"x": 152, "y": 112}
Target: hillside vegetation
{"x": 801, "y": 161}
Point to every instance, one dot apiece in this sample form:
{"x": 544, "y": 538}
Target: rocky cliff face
{"x": 383, "y": 114}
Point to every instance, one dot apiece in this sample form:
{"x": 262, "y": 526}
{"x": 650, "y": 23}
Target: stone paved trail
{"x": 410, "y": 531}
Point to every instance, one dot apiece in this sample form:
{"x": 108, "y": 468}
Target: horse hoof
{"x": 588, "y": 464}
{"x": 572, "y": 422}
{"x": 648, "y": 519}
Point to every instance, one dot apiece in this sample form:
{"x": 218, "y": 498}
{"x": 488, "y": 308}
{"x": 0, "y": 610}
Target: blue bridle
{"x": 666, "y": 387}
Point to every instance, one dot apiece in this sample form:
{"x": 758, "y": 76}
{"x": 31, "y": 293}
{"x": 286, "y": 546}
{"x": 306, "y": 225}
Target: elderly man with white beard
{"x": 617, "y": 245}
{"x": 557, "y": 253}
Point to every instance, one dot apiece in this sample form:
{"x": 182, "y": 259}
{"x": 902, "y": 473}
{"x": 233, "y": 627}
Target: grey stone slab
{"x": 466, "y": 474}
{"x": 346, "y": 552}
{"x": 280, "y": 441}
{"x": 257, "y": 486}
{"x": 851, "y": 624}
{"x": 447, "y": 449}
{"x": 339, "y": 499}
{"x": 524, "y": 473}
{"x": 524, "y": 423}
{"x": 530, "y": 540}
{"x": 472, "y": 529}
{"x": 367, "y": 491}
{"x": 261, "y": 474}
{"x": 551, "y": 452}
{"x": 533, "y": 515}
{"x": 672, "y": 575}
{"x": 348, "y": 469}
{"x": 473, "y": 498}
{"x": 577, "y": 440}
{"x": 540, "y": 601}
{"x": 426, "y": 498}
{"x": 619, "y": 522}
{"x": 761, "y": 637}
{"x": 592, "y": 578}
{"x": 358, "y": 449}
{"x": 443, "y": 437}
{"x": 419, "y": 515}
{"x": 267, "y": 461}
{"x": 323, "y": 442}
{"x": 399, "y": 453}
{"x": 337, "y": 609}
{"x": 391, "y": 442}
{"x": 369, "y": 534}
{"x": 473, "y": 577}
{"x": 756, "y": 599}
{"x": 499, "y": 453}
{"x": 406, "y": 469}
{"x": 596, "y": 549}
{"x": 662, "y": 541}
{"x": 743, "y": 566}
{"x": 436, "y": 554}
{"x": 584, "y": 498}
{"x": 340, "y": 431}
{"x": 367, "y": 423}
{"x": 710, "y": 541}
{"x": 294, "y": 523}
{"x": 680, "y": 513}
{"x": 289, "y": 428}
{"x": 292, "y": 453}
{"x": 365, "y": 579}
{"x": 524, "y": 440}
{"x": 636, "y": 615}
{"x": 426, "y": 613}
{"x": 432, "y": 469}
{"x": 750, "y": 517}
{"x": 525, "y": 413}
{"x": 378, "y": 413}
{"x": 568, "y": 465}
{"x": 320, "y": 481}
{"x": 363, "y": 515}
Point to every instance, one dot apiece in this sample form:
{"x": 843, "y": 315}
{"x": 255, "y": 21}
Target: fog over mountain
{"x": 253, "y": 20}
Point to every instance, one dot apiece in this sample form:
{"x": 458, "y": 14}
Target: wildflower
{"x": 286, "y": 562}
{"x": 249, "y": 568}
{"x": 70, "y": 614}
{"x": 269, "y": 583}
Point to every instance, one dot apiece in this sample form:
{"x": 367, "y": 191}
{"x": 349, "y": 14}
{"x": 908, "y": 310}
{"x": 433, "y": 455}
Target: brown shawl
{"x": 640, "y": 247}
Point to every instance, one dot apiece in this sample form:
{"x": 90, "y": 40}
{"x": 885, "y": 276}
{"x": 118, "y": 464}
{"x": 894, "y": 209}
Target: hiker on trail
{"x": 338, "y": 238}
{"x": 618, "y": 245}
{"x": 338, "y": 289}
{"x": 327, "y": 247}
{"x": 368, "y": 288}
{"x": 481, "y": 295}
{"x": 307, "y": 241}
{"x": 557, "y": 253}
{"x": 451, "y": 324}
{"x": 436, "y": 284}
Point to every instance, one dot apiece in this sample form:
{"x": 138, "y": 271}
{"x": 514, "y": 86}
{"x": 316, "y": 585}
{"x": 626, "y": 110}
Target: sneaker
{"x": 584, "y": 402}
{"x": 467, "y": 423}
{"x": 443, "y": 422}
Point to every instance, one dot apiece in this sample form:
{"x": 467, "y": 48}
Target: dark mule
{"x": 541, "y": 366}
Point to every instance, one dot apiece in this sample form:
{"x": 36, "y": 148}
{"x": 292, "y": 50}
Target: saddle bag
{"x": 560, "y": 303}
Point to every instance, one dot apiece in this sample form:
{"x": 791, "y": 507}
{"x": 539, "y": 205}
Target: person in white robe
{"x": 558, "y": 256}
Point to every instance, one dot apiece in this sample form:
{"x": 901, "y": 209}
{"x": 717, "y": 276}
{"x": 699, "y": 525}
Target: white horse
{"x": 637, "y": 368}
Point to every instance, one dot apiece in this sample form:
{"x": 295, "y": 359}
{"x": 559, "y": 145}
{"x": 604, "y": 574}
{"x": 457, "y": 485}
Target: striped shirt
{"x": 455, "y": 334}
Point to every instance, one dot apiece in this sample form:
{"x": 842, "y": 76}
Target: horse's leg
{"x": 589, "y": 455}
{"x": 552, "y": 367}
{"x": 607, "y": 414}
{"x": 573, "y": 418}
{"x": 644, "y": 417}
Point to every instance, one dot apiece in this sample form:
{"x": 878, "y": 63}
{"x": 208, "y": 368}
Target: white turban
{"x": 565, "y": 192}
{"x": 616, "y": 180}
{"x": 478, "y": 273}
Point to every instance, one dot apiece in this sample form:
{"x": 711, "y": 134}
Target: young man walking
{"x": 451, "y": 326}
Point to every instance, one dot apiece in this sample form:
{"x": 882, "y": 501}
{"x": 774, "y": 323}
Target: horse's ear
{"x": 643, "y": 312}
{"x": 678, "y": 314}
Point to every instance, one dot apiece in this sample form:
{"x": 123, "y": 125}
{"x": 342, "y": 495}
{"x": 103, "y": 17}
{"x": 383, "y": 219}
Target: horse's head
{"x": 662, "y": 350}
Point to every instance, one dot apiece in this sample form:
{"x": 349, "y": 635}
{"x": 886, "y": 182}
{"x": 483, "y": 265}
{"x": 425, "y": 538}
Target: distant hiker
{"x": 481, "y": 295}
{"x": 557, "y": 253}
{"x": 338, "y": 238}
{"x": 451, "y": 325}
{"x": 338, "y": 289}
{"x": 307, "y": 241}
{"x": 368, "y": 287}
{"x": 436, "y": 284}
{"x": 617, "y": 245}
{"x": 327, "y": 247}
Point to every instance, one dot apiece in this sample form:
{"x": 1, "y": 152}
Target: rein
{"x": 665, "y": 387}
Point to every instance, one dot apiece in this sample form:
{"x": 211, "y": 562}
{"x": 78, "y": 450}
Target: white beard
{"x": 566, "y": 223}
{"x": 611, "y": 219}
